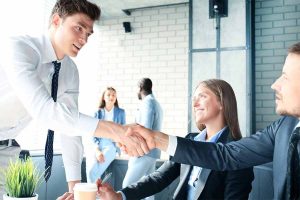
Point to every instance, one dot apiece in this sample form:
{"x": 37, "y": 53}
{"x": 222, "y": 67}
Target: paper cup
{"x": 85, "y": 191}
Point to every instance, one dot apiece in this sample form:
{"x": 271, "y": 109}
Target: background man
{"x": 150, "y": 116}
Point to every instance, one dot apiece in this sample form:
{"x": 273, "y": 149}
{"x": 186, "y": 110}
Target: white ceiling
{"x": 113, "y": 8}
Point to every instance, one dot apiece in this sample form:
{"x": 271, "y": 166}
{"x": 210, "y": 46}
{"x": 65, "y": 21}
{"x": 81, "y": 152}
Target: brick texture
{"x": 276, "y": 28}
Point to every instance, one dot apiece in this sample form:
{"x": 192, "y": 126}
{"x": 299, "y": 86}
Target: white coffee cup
{"x": 85, "y": 191}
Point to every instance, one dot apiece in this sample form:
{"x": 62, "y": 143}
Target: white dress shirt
{"x": 26, "y": 71}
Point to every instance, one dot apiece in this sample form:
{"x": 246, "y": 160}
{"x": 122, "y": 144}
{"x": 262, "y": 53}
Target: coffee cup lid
{"x": 85, "y": 187}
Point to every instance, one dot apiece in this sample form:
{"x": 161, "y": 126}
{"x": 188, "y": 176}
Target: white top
{"x": 25, "y": 86}
{"x": 109, "y": 115}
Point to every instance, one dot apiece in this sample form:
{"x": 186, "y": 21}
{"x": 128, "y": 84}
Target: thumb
{"x": 129, "y": 132}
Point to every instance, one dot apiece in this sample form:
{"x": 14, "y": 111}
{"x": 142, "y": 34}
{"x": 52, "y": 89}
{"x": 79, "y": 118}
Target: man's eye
{"x": 78, "y": 28}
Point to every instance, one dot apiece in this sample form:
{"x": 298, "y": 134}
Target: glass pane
{"x": 233, "y": 71}
{"x": 203, "y": 67}
{"x": 204, "y": 32}
{"x": 233, "y": 27}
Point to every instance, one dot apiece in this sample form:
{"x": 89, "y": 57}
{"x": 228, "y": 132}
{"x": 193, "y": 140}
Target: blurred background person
{"x": 101, "y": 152}
{"x": 149, "y": 115}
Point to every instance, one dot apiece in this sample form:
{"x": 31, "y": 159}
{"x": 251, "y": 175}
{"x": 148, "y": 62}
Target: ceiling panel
{"x": 113, "y": 8}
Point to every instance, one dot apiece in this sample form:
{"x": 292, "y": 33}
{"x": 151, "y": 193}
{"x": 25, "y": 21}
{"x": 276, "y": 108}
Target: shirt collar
{"x": 202, "y": 135}
{"x": 297, "y": 125}
{"x": 48, "y": 53}
{"x": 148, "y": 96}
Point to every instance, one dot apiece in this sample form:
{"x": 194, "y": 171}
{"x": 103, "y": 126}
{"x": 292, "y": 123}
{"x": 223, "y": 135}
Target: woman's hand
{"x": 106, "y": 192}
{"x": 100, "y": 156}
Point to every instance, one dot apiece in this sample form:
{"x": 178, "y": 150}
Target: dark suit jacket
{"x": 270, "y": 144}
{"x": 212, "y": 185}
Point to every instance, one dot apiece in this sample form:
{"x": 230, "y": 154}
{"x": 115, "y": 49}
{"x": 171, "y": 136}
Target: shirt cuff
{"x": 123, "y": 195}
{"x": 87, "y": 124}
{"x": 172, "y": 145}
{"x": 73, "y": 173}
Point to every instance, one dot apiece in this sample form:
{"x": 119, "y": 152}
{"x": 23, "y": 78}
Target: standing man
{"x": 278, "y": 142}
{"x": 39, "y": 80}
{"x": 150, "y": 116}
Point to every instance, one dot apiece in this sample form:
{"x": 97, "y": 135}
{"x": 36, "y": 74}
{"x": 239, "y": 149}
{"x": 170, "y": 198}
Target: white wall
{"x": 156, "y": 48}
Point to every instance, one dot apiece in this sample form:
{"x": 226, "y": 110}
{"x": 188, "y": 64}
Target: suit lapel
{"x": 206, "y": 172}
{"x": 101, "y": 113}
{"x": 202, "y": 181}
{"x": 115, "y": 115}
{"x": 184, "y": 172}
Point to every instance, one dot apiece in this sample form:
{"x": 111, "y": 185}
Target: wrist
{"x": 161, "y": 140}
{"x": 71, "y": 185}
{"x": 109, "y": 130}
{"x": 119, "y": 195}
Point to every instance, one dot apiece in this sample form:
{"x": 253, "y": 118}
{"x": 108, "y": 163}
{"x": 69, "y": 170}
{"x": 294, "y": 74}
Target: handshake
{"x": 136, "y": 140}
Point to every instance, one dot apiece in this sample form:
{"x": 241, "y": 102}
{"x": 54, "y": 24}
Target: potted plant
{"x": 21, "y": 180}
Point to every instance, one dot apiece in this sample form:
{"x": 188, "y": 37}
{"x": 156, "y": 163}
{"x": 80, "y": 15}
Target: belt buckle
{"x": 4, "y": 142}
{"x": 8, "y": 143}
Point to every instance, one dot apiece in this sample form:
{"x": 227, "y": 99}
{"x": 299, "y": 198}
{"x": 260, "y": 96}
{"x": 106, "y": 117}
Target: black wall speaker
{"x": 220, "y": 5}
{"x": 127, "y": 27}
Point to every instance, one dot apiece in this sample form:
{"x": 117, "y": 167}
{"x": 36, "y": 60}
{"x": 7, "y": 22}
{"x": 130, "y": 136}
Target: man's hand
{"x": 135, "y": 144}
{"x": 147, "y": 134}
{"x": 136, "y": 130}
{"x": 66, "y": 196}
{"x": 154, "y": 139}
{"x": 106, "y": 192}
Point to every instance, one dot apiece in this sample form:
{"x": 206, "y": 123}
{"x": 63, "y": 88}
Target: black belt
{"x": 11, "y": 142}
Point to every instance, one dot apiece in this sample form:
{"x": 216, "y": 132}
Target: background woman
{"x": 104, "y": 150}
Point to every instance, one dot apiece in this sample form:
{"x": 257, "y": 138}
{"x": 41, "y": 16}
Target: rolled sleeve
{"x": 87, "y": 124}
{"x": 72, "y": 154}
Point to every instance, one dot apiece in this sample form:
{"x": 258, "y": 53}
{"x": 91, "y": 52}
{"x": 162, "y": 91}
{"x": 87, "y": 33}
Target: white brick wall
{"x": 156, "y": 48}
{"x": 276, "y": 29}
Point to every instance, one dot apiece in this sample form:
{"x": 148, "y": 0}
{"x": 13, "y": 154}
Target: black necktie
{"x": 50, "y": 136}
{"x": 293, "y": 170}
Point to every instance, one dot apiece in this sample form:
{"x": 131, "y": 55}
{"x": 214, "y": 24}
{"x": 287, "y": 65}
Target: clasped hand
{"x": 138, "y": 140}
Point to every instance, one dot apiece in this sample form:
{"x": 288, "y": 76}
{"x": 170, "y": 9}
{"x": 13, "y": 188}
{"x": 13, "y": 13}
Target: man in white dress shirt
{"x": 26, "y": 72}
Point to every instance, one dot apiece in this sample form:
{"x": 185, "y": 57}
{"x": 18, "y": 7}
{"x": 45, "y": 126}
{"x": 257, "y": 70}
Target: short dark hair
{"x": 295, "y": 48}
{"x": 65, "y": 8}
{"x": 145, "y": 85}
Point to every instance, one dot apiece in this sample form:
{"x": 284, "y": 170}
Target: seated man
{"x": 215, "y": 112}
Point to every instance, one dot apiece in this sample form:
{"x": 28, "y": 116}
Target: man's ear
{"x": 55, "y": 20}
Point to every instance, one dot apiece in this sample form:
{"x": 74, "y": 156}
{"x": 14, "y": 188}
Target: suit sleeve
{"x": 247, "y": 152}
{"x": 238, "y": 184}
{"x": 154, "y": 182}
